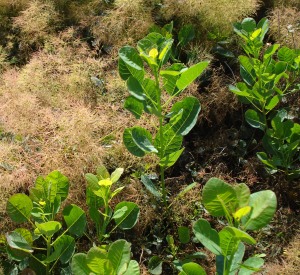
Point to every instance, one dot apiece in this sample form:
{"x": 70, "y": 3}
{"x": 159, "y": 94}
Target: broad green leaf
{"x": 169, "y": 160}
{"x": 59, "y": 185}
{"x": 102, "y": 173}
{"x": 170, "y": 77}
{"x": 271, "y": 50}
{"x": 115, "y": 176}
{"x": 207, "y": 236}
{"x": 263, "y": 205}
{"x": 135, "y": 106}
{"x": 155, "y": 265}
{"x": 255, "y": 34}
{"x": 255, "y": 119}
{"x": 286, "y": 54}
{"x": 188, "y": 76}
{"x": 171, "y": 141}
{"x": 138, "y": 141}
{"x": 249, "y": 25}
{"x": 243, "y": 194}
{"x": 219, "y": 198}
{"x": 135, "y": 88}
{"x": 98, "y": 262}
{"x": 251, "y": 266}
{"x": 79, "y": 265}
{"x": 130, "y": 63}
{"x": 247, "y": 70}
{"x": 75, "y": 219}
{"x": 263, "y": 157}
{"x": 263, "y": 24}
{"x": 119, "y": 254}
{"x": 184, "y": 115}
{"x": 151, "y": 187}
{"x": 92, "y": 181}
{"x": 19, "y": 208}
{"x": 192, "y": 269}
{"x": 48, "y": 228}
{"x": 133, "y": 268}
{"x": 64, "y": 248}
{"x": 272, "y": 102}
{"x": 240, "y": 90}
{"x": 130, "y": 217}
{"x": 184, "y": 234}
{"x": 36, "y": 263}
{"x": 17, "y": 242}
{"x": 26, "y": 234}
{"x": 237, "y": 259}
{"x": 165, "y": 51}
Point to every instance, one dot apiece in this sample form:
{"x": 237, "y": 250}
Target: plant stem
{"x": 161, "y": 136}
{"x": 48, "y": 254}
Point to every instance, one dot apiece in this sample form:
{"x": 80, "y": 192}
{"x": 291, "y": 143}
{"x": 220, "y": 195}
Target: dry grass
{"x": 36, "y": 22}
{"x": 211, "y": 15}
{"x": 291, "y": 260}
{"x": 285, "y": 26}
{"x": 126, "y": 23}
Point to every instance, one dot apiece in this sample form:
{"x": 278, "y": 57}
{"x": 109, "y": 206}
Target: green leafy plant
{"x": 146, "y": 89}
{"x": 47, "y": 244}
{"x": 282, "y": 145}
{"x": 185, "y": 35}
{"x": 243, "y": 212}
{"x": 99, "y": 195}
{"x": 113, "y": 259}
{"x": 267, "y": 78}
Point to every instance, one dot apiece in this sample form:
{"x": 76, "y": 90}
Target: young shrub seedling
{"x": 243, "y": 212}
{"x": 109, "y": 260}
{"x": 99, "y": 195}
{"x": 146, "y": 88}
{"x": 47, "y": 244}
{"x": 269, "y": 74}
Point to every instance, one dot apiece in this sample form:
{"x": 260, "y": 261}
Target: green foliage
{"x": 39, "y": 210}
{"x": 114, "y": 259}
{"x": 267, "y": 78}
{"x": 146, "y": 95}
{"x": 282, "y": 145}
{"x": 98, "y": 197}
{"x": 243, "y": 212}
{"x": 237, "y": 205}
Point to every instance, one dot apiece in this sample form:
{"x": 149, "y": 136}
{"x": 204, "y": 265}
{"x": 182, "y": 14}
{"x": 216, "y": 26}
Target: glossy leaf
{"x": 59, "y": 185}
{"x": 186, "y": 35}
{"x": 64, "y": 248}
{"x": 237, "y": 259}
{"x": 155, "y": 265}
{"x": 130, "y": 217}
{"x": 191, "y": 74}
{"x": 92, "y": 181}
{"x": 192, "y": 269}
{"x": 135, "y": 106}
{"x": 219, "y": 198}
{"x": 75, "y": 219}
{"x": 115, "y": 176}
{"x": 169, "y": 160}
{"x": 243, "y": 194}
{"x": 255, "y": 119}
{"x": 79, "y": 264}
{"x": 207, "y": 236}
{"x": 184, "y": 115}
{"x": 98, "y": 262}
{"x": 150, "y": 186}
{"x": 263, "y": 205}
{"x": 251, "y": 266}
{"x": 16, "y": 241}
{"x": 19, "y": 208}
{"x": 133, "y": 268}
{"x": 130, "y": 64}
{"x": 119, "y": 254}
{"x": 48, "y": 229}
{"x": 138, "y": 141}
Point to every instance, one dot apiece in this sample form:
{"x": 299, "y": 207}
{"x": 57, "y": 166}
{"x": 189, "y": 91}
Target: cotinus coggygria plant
{"x": 151, "y": 91}
{"x": 48, "y": 247}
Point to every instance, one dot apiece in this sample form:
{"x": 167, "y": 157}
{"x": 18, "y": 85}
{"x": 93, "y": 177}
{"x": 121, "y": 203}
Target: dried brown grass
{"x": 126, "y": 23}
{"x": 285, "y": 26}
{"x": 209, "y": 15}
